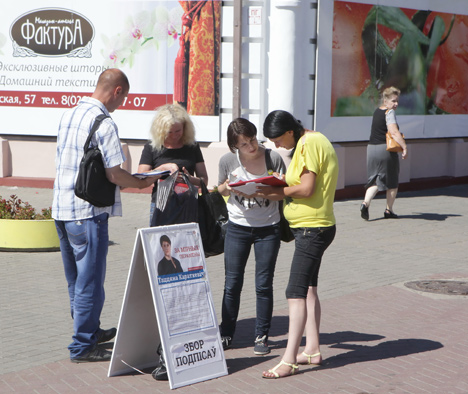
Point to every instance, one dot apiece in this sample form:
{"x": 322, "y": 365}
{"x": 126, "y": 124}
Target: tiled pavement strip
{"x": 377, "y": 336}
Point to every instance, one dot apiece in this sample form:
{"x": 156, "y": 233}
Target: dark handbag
{"x": 92, "y": 184}
{"x": 212, "y": 220}
{"x": 173, "y": 207}
{"x": 285, "y": 230}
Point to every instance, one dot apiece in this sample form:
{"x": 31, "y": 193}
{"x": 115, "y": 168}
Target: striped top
{"x": 74, "y": 128}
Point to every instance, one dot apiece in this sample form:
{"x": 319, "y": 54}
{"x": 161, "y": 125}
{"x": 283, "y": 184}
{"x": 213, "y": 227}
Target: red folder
{"x": 270, "y": 180}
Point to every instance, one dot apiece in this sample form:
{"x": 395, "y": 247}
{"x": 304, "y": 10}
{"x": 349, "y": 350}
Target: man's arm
{"x": 123, "y": 178}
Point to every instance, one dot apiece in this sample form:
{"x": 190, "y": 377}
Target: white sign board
{"x": 168, "y": 300}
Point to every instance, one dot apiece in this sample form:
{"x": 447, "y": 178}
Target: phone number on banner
{"x": 142, "y": 102}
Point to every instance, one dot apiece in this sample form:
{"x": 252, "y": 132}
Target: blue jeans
{"x": 84, "y": 244}
{"x": 310, "y": 244}
{"x": 237, "y": 245}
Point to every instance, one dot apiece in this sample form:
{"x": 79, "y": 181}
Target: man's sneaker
{"x": 95, "y": 355}
{"x": 261, "y": 345}
{"x": 106, "y": 335}
{"x": 227, "y": 342}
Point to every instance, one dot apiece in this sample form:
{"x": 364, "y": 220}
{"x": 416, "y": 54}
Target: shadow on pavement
{"x": 241, "y": 363}
{"x": 245, "y": 332}
{"x": 327, "y": 339}
{"x": 438, "y": 217}
{"x": 347, "y": 336}
{"x": 384, "y": 350}
{"x": 357, "y": 353}
{"x": 449, "y": 191}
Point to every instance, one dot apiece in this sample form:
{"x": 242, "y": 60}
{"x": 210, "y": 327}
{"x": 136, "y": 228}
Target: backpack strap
{"x": 96, "y": 124}
{"x": 268, "y": 162}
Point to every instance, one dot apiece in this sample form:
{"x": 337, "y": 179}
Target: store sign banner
{"x": 52, "y": 32}
{"x": 51, "y": 57}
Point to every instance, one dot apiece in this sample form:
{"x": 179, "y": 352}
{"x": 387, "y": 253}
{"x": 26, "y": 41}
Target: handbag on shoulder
{"x": 92, "y": 184}
{"x": 285, "y": 230}
{"x": 286, "y": 234}
{"x": 392, "y": 145}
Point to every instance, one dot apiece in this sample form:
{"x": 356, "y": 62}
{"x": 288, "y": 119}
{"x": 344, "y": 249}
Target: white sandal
{"x": 310, "y": 357}
{"x": 294, "y": 368}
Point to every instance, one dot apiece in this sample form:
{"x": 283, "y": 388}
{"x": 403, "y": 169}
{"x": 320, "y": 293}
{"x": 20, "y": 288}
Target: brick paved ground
{"x": 377, "y": 335}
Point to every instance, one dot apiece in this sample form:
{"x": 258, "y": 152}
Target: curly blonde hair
{"x": 166, "y": 117}
{"x": 389, "y": 92}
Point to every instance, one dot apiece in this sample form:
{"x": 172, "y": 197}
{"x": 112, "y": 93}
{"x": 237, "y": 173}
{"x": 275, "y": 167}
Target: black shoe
{"x": 390, "y": 215}
{"x": 227, "y": 342}
{"x": 95, "y": 355}
{"x": 364, "y": 211}
{"x": 106, "y": 335}
{"x": 160, "y": 373}
{"x": 261, "y": 346}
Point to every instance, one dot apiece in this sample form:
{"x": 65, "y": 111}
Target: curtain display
{"x": 197, "y": 66}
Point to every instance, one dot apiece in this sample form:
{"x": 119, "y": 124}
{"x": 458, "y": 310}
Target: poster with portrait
{"x": 420, "y": 47}
{"x": 168, "y": 301}
{"x": 52, "y": 55}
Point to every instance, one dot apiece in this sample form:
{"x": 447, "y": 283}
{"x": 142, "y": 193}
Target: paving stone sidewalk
{"x": 377, "y": 335}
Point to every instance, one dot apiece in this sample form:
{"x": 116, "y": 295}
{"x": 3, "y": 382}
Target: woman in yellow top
{"x": 311, "y": 178}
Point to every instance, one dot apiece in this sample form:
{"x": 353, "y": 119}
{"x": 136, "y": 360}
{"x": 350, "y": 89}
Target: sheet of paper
{"x": 187, "y": 308}
{"x": 248, "y": 188}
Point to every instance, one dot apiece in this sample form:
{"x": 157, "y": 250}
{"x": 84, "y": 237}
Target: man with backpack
{"x": 82, "y": 227}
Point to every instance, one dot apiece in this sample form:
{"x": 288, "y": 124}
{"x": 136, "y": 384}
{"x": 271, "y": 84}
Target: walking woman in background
{"x": 253, "y": 220}
{"x": 311, "y": 178}
{"x": 383, "y": 167}
{"x": 173, "y": 147}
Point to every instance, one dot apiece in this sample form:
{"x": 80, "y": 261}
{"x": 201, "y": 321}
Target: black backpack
{"x": 92, "y": 184}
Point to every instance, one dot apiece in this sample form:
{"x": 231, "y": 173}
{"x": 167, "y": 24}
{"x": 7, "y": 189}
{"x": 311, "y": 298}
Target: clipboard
{"x": 270, "y": 180}
{"x": 142, "y": 175}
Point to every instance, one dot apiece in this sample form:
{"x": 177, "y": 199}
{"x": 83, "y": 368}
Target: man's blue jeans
{"x": 84, "y": 244}
{"x": 237, "y": 245}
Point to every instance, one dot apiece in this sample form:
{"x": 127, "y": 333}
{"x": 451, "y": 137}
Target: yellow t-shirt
{"x": 316, "y": 154}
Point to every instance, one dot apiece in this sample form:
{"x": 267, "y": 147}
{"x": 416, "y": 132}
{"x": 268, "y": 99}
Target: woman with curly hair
{"x": 173, "y": 147}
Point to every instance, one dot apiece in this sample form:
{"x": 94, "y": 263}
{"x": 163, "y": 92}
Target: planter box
{"x": 28, "y": 235}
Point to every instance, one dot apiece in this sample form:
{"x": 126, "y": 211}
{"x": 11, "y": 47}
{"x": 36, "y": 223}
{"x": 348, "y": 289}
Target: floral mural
{"x": 2, "y": 42}
{"x": 194, "y": 26}
{"x": 145, "y": 30}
